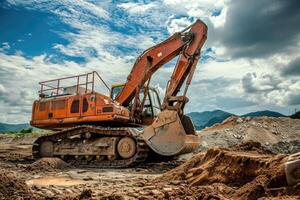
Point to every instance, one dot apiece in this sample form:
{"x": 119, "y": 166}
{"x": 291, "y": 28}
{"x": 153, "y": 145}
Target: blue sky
{"x": 33, "y": 32}
{"x": 247, "y": 64}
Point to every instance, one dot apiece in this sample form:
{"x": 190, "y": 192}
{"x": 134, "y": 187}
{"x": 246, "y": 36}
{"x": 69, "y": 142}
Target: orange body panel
{"x": 65, "y": 111}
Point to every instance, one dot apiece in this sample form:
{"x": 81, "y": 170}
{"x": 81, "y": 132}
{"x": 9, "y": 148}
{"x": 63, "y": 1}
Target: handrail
{"x": 68, "y": 77}
{"x": 56, "y": 88}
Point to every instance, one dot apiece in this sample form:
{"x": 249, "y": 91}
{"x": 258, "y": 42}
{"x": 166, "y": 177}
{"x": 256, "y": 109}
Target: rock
{"x": 175, "y": 182}
{"x": 150, "y": 187}
{"x": 140, "y": 184}
{"x": 267, "y": 143}
{"x": 144, "y": 192}
{"x": 134, "y": 194}
{"x": 88, "y": 178}
{"x": 239, "y": 120}
{"x": 155, "y": 192}
{"x": 167, "y": 189}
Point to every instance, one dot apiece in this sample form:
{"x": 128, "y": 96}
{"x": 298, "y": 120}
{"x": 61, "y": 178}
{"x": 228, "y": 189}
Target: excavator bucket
{"x": 171, "y": 135}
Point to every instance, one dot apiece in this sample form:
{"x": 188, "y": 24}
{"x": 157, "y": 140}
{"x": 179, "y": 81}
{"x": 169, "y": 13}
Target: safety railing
{"x": 83, "y": 83}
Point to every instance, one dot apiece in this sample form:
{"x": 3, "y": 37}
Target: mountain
{"x": 208, "y": 118}
{"x": 12, "y": 127}
{"x": 200, "y": 119}
{"x": 267, "y": 113}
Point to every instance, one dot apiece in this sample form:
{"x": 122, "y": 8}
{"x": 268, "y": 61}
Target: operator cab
{"x": 152, "y": 104}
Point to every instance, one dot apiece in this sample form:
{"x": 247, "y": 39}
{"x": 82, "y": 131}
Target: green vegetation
{"x": 25, "y": 133}
{"x": 26, "y": 130}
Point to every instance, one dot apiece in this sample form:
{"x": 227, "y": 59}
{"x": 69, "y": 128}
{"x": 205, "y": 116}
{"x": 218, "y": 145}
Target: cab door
{"x": 88, "y": 105}
{"x": 74, "y": 106}
{"x": 81, "y": 105}
{"x": 58, "y": 108}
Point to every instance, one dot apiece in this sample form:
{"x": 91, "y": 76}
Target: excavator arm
{"x": 187, "y": 45}
{"x": 171, "y": 133}
{"x": 185, "y": 67}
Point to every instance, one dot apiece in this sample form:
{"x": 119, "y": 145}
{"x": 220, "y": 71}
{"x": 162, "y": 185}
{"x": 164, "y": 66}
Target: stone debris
{"x": 278, "y": 135}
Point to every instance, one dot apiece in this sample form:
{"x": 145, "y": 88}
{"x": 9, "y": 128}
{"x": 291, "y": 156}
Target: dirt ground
{"x": 244, "y": 171}
{"x": 48, "y": 178}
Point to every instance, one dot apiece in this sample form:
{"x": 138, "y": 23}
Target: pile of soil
{"x": 46, "y": 164}
{"x": 12, "y": 187}
{"x": 230, "y": 174}
{"x": 277, "y": 135}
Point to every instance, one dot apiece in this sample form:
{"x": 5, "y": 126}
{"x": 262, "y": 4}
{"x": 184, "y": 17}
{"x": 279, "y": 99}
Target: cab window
{"x": 155, "y": 102}
{"x": 115, "y": 91}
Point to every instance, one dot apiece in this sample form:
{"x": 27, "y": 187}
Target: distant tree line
{"x": 296, "y": 115}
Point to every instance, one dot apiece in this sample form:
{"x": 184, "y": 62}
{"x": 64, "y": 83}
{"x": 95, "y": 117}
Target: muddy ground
{"x": 55, "y": 179}
{"x": 244, "y": 171}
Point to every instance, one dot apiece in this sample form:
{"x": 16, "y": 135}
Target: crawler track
{"x": 97, "y": 132}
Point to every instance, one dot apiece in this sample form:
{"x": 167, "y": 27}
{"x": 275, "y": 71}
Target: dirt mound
{"x": 12, "y": 187}
{"x": 46, "y": 164}
{"x": 230, "y": 174}
{"x": 277, "y": 135}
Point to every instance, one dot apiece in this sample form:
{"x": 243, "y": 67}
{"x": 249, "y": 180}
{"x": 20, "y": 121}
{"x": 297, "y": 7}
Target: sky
{"x": 250, "y": 62}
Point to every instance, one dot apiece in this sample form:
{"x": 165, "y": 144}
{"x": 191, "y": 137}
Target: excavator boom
{"x": 186, "y": 43}
{"x": 171, "y": 133}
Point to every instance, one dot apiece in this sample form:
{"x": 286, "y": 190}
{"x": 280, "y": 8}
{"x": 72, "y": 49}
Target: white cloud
{"x": 5, "y": 46}
{"x": 2, "y": 89}
{"x": 137, "y": 8}
{"x": 204, "y": 9}
{"x": 176, "y": 25}
{"x": 270, "y": 89}
{"x": 93, "y": 38}
{"x": 189, "y": 4}
{"x": 67, "y": 8}
{"x": 90, "y": 42}
{"x": 219, "y": 20}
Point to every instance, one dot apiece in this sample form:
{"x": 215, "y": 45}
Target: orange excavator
{"x": 130, "y": 124}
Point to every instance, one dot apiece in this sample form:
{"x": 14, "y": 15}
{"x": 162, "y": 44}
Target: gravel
{"x": 278, "y": 135}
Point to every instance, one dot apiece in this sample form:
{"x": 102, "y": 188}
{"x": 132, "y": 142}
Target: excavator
{"x": 127, "y": 126}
